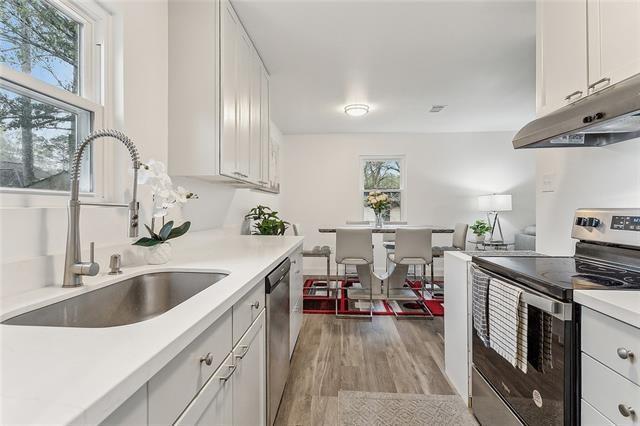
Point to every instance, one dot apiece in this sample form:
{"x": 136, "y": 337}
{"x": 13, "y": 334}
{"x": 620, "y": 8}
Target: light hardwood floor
{"x": 385, "y": 355}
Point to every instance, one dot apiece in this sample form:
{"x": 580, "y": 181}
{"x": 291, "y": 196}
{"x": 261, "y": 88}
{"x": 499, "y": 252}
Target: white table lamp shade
{"x": 494, "y": 203}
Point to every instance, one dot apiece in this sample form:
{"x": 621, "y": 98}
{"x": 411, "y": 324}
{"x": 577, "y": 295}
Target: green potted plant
{"x": 480, "y": 228}
{"x": 158, "y": 247}
{"x": 266, "y": 221}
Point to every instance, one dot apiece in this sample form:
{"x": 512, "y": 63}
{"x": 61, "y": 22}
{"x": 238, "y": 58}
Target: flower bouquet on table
{"x": 379, "y": 203}
{"x": 165, "y": 196}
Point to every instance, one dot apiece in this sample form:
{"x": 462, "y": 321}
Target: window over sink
{"x": 384, "y": 174}
{"x": 51, "y": 67}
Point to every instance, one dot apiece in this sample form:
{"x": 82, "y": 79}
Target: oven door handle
{"x": 560, "y": 310}
{"x": 546, "y": 305}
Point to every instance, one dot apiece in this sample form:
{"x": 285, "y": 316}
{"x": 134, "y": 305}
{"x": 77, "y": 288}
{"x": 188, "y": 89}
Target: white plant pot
{"x": 480, "y": 238}
{"x": 158, "y": 254}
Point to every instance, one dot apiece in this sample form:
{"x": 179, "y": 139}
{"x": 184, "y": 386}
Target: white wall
{"x": 445, "y": 174}
{"x": 582, "y": 178}
{"x": 33, "y": 238}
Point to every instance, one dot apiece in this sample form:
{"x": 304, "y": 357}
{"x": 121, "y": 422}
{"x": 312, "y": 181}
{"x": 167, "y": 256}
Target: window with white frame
{"x": 50, "y": 86}
{"x": 384, "y": 174}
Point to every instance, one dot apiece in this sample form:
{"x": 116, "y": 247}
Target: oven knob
{"x": 581, "y": 221}
{"x": 593, "y": 222}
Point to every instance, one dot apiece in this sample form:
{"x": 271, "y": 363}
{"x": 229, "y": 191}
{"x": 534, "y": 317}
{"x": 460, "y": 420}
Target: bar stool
{"x": 354, "y": 248}
{"x": 458, "y": 243}
{"x": 316, "y": 251}
{"x": 413, "y": 247}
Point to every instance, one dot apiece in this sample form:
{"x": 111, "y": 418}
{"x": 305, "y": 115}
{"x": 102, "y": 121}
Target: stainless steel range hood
{"x": 609, "y": 116}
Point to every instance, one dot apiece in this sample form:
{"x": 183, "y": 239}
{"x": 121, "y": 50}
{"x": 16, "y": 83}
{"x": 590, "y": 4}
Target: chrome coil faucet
{"x": 74, "y": 267}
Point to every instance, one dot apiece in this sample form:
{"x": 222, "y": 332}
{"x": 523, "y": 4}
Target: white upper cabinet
{"x": 561, "y": 53}
{"x": 264, "y": 131}
{"x": 218, "y": 96}
{"x": 614, "y": 41}
{"x": 584, "y": 46}
{"x": 228, "y": 83}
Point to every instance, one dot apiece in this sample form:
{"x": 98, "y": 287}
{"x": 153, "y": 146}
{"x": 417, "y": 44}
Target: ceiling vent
{"x": 437, "y": 108}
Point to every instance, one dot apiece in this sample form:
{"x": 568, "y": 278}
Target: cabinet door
{"x": 255, "y": 117}
{"x": 295, "y": 296}
{"x": 228, "y": 88}
{"x": 214, "y": 403}
{"x": 132, "y": 412}
{"x": 562, "y": 53}
{"x": 249, "y": 379}
{"x": 264, "y": 131}
{"x": 243, "y": 148}
{"x": 614, "y": 41}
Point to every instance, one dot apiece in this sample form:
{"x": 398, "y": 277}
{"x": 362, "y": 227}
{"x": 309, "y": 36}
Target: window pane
{"x": 38, "y": 39}
{"x": 384, "y": 174}
{"x": 37, "y": 139}
{"x": 393, "y": 214}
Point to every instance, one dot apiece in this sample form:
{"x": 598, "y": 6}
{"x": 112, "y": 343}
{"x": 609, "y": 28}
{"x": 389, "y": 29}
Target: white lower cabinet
{"x": 236, "y": 393}
{"x": 132, "y": 413}
{"x": 212, "y": 381}
{"x": 296, "y": 287}
{"x": 249, "y": 378}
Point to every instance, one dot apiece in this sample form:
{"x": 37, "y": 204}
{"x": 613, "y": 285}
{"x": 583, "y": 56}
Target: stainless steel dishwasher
{"x": 277, "y": 291}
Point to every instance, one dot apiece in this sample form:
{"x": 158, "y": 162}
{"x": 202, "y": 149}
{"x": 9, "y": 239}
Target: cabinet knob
{"x": 625, "y": 353}
{"x": 207, "y": 359}
{"x": 255, "y": 305}
{"x": 626, "y": 411}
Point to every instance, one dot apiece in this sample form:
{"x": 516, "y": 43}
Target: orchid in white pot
{"x": 165, "y": 196}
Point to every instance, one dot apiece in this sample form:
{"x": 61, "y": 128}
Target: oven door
{"x": 544, "y": 394}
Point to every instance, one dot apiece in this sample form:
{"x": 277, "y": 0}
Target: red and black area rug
{"x": 318, "y": 299}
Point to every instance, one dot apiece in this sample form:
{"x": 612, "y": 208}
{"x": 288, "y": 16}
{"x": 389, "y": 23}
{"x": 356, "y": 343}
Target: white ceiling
{"x": 400, "y": 57}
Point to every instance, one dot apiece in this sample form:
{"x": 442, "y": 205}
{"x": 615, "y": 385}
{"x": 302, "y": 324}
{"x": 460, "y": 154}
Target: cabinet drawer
{"x": 603, "y": 337}
{"x": 607, "y": 391}
{"x": 213, "y": 404}
{"x": 246, "y": 310}
{"x": 589, "y": 416}
{"x": 178, "y": 382}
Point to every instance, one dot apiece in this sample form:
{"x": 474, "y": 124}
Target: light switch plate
{"x": 548, "y": 183}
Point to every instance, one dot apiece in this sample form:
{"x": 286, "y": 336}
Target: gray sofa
{"x": 526, "y": 240}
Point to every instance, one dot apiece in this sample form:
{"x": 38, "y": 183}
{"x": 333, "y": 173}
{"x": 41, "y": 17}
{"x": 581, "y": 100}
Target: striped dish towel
{"x": 508, "y": 323}
{"x": 479, "y": 290}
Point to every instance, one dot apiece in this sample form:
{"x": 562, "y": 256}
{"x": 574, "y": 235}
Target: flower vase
{"x": 379, "y": 220}
{"x": 158, "y": 254}
{"x": 480, "y": 238}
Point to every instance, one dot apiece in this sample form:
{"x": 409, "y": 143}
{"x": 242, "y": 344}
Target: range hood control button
{"x": 599, "y": 116}
{"x": 587, "y": 119}
{"x": 581, "y": 221}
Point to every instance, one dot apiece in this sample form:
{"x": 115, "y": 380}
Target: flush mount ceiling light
{"x": 356, "y": 110}
{"x": 437, "y": 108}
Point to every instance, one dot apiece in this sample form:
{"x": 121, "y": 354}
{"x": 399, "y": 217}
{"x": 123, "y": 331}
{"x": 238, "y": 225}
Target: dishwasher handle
{"x": 277, "y": 275}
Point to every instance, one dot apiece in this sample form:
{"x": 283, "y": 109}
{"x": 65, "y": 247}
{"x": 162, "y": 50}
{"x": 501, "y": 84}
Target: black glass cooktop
{"x": 559, "y": 276}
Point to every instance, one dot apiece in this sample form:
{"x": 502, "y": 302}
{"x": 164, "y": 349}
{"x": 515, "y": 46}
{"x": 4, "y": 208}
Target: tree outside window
{"x": 39, "y": 133}
{"x": 384, "y": 175}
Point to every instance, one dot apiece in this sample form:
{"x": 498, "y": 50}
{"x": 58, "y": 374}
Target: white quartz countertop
{"x": 58, "y": 375}
{"x": 623, "y": 305}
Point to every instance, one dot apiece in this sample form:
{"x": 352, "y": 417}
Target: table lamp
{"x": 492, "y": 204}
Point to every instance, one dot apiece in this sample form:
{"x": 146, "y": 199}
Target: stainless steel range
{"x": 545, "y": 390}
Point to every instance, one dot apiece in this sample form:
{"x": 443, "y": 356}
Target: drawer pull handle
{"x": 255, "y": 305}
{"x": 626, "y": 411}
{"x": 207, "y": 359}
{"x": 232, "y": 369}
{"x": 245, "y": 349}
{"x": 625, "y": 353}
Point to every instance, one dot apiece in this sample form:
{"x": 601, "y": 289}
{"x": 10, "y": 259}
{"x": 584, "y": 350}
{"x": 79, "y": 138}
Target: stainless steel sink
{"x": 126, "y": 302}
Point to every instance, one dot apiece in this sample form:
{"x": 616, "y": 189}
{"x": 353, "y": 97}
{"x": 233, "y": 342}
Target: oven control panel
{"x": 612, "y": 226}
{"x": 625, "y": 223}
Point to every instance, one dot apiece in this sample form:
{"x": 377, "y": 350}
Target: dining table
{"x": 397, "y": 275}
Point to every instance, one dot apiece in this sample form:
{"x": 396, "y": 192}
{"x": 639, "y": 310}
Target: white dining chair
{"x": 412, "y": 248}
{"x": 388, "y": 239}
{"x": 458, "y": 243}
{"x": 354, "y": 248}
